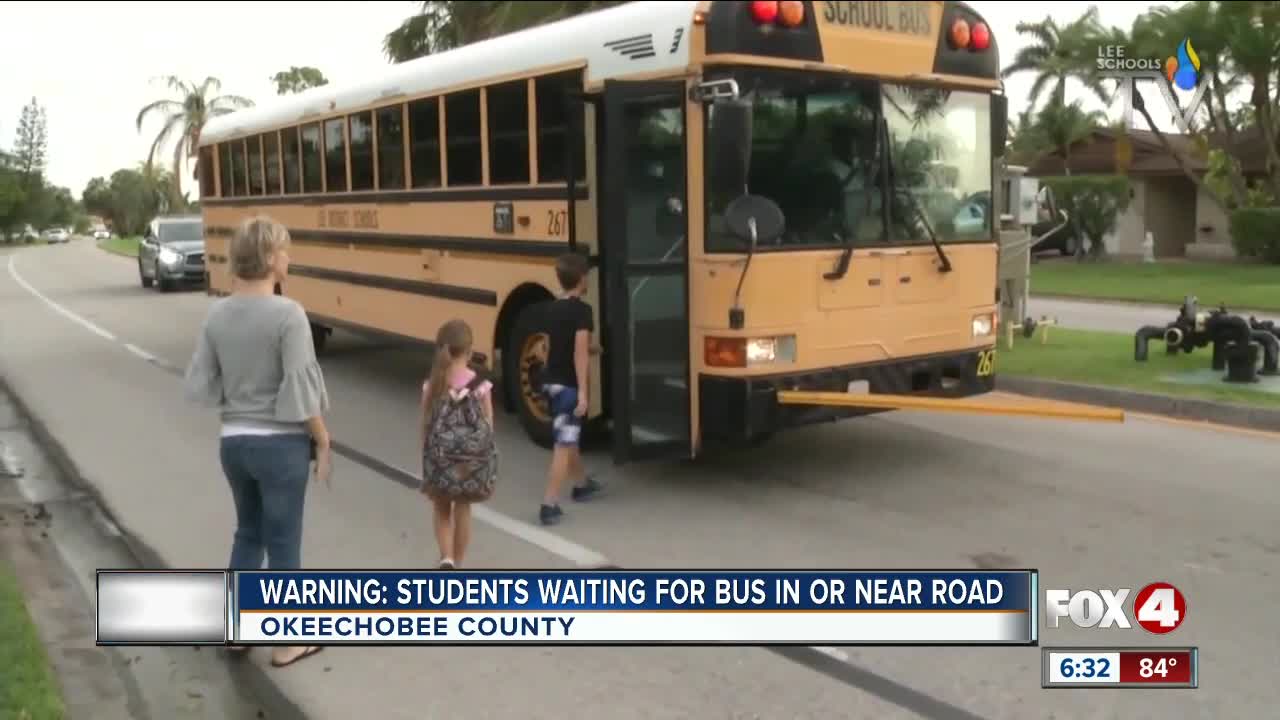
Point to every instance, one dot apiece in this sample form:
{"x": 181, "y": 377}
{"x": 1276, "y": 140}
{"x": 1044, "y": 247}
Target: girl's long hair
{"x": 452, "y": 342}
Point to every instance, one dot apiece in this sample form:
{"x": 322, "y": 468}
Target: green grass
{"x": 121, "y": 246}
{"x": 1238, "y": 285}
{"x": 1106, "y": 359}
{"x": 28, "y": 690}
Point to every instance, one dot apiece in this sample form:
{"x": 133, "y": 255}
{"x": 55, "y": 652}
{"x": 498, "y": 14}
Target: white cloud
{"x": 91, "y": 64}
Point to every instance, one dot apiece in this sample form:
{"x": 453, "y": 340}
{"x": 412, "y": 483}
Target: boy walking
{"x": 566, "y": 384}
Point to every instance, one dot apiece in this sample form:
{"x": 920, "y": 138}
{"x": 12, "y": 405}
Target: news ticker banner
{"x": 1150, "y": 667}
{"x": 592, "y": 607}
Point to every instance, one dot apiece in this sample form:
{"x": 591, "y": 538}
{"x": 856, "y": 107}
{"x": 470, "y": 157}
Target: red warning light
{"x": 980, "y": 37}
{"x": 764, "y": 12}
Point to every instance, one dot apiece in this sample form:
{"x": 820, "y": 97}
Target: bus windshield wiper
{"x": 842, "y": 267}
{"x": 914, "y": 203}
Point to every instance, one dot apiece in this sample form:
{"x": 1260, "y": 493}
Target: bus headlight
{"x": 169, "y": 257}
{"x": 982, "y": 325}
{"x": 749, "y": 352}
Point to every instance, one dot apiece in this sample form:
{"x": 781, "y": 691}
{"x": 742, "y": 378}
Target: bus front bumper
{"x": 737, "y": 410}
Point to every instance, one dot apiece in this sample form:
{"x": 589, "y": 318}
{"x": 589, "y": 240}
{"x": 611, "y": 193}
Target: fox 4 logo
{"x": 1159, "y": 608}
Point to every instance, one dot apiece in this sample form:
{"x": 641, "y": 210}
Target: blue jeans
{"x": 268, "y": 475}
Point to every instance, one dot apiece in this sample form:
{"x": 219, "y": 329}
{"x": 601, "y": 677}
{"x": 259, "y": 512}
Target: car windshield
{"x": 181, "y": 232}
{"x": 814, "y": 151}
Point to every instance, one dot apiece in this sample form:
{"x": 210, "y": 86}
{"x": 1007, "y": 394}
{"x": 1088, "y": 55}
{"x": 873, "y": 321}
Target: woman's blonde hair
{"x": 255, "y": 241}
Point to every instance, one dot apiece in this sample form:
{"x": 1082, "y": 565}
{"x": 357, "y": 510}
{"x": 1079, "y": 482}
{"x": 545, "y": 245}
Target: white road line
{"x": 141, "y": 353}
{"x": 832, "y": 652}
{"x": 87, "y": 325}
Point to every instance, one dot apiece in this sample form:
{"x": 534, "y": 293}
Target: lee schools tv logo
{"x": 1159, "y": 608}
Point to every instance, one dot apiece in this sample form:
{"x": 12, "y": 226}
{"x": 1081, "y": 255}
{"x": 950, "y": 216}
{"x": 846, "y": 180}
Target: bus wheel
{"x": 522, "y": 361}
{"x": 319, "y": 337}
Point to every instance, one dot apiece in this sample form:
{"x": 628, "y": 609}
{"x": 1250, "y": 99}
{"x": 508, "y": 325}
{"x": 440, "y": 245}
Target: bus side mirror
{"x": 754, "y": 219}
{"x": 729, "y": 135}
{"x": 999, "y": 124}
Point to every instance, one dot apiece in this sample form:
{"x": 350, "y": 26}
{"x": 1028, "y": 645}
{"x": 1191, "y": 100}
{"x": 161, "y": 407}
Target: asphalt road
{"x": 1089, "y": 505}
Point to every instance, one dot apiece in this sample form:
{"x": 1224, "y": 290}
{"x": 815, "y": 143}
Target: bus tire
{"x": 522, "y": 360}
{"x": 319, "y": 337}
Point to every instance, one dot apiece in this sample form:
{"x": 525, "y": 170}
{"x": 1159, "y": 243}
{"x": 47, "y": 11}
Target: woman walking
{"x": 255, "y": 362}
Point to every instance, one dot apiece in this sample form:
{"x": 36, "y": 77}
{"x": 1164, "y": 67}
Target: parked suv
{"x": 172, "y": 253}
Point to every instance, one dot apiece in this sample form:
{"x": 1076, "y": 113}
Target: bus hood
{"x": 892, "y": 302}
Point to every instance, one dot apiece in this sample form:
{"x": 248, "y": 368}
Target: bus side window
{"x": 551, "y": 97}
{"x": 508, "y": 109}
{"x": 312, "y": 179}
{"x": 206, "y": 171}
{"x": 424, "y": 141}
{"x": 391, "y": 148}
{"x": 292, "y": 161}
{"x": 335, "y": 156}
{"x": 271, "y": 161}
{"x": 360, "y": 130}
{"x": 254, "y": 145}
{"x": 462, "y": 135}
{"x": 228, "y": 170}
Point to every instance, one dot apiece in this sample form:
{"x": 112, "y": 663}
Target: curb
{"x": 1146, "y": 304}
{"x": 278, "y": 705}
{"x": 1240, "y": 416}
{"x": 117, "y": 253}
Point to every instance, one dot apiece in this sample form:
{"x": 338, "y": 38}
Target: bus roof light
{"x": 980, "y": 37}
{"x": 959, "y": 34}
{"x": 764, "y": 12}
{"x": 790, "y": 13}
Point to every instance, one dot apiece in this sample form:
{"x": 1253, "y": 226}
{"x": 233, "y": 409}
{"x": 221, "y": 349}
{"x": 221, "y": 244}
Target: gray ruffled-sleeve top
{"x": 255, "y": 362}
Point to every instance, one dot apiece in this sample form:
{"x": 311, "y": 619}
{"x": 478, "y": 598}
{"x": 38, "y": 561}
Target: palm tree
{"x": 444, "y": 26}
{"x": 1057, "y": 54}
{"x": 1253, "y": 31}
{"x": 1062, "y": 126}
{"x": 1026, "y": 139}
{"x": 185, "y": 118}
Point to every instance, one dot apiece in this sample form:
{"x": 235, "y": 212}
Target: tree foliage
{"x": 1057, "y": 54}
{"x": 184, "y": 118}
{"x": 1093, "y": 203}
{"x": 31, "y": 146}
{"x": 1238, "y": 44}
{"x": 296, "y": 79}
{"x": 442, "y": 26}
{"x": 1253, "y": 232}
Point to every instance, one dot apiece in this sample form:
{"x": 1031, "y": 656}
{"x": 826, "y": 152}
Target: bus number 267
{"x": 986, "y": 363}
{"x": 556, "y": 220}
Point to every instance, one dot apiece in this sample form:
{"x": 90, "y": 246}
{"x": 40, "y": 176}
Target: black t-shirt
{"x": 565, "y": 317}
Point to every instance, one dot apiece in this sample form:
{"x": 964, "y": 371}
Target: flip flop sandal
{"x": 305, "y": 654}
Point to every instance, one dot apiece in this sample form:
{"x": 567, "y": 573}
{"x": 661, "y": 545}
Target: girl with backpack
{"x": 459, "y": 450}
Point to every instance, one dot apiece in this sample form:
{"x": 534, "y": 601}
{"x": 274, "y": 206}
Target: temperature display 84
{"x": 1074, "y": 667}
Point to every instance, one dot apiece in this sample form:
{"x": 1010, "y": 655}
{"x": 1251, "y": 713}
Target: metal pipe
{"x": 1142, "y": 337}
{"x": 1270, "y": 351}
{"x": 1225, "y": 329}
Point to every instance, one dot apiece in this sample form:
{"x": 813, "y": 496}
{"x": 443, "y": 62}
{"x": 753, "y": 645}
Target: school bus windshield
{"x": 815, "y": 152}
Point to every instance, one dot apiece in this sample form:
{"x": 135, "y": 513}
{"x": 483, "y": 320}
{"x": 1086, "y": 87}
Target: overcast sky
{"x": 92, "y": 65}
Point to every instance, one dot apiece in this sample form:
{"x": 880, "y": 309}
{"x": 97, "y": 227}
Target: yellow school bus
{"x": 777, "y": 199}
